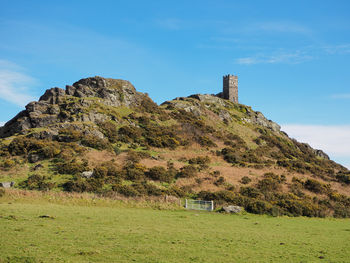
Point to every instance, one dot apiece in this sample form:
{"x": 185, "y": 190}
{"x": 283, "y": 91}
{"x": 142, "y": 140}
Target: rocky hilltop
{"x": 101, "y": 135}
{"x": 81, "y": 102}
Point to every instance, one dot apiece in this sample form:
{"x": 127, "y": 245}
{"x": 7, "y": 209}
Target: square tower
{"x": 230, "y": 88}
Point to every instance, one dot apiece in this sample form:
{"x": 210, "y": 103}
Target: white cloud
{"x": 341, "y": 96}
{"x": 281, "y": 27}
{"x": 337, "y": 49}
{"x": 289, "y": 58}
{"x": 2, "y": 123}
{"x": 334, "y": 140}
{"x": 14, "y": 85}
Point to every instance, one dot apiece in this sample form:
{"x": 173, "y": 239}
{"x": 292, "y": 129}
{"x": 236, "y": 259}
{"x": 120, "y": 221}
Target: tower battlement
{"x": 230, "y": 88}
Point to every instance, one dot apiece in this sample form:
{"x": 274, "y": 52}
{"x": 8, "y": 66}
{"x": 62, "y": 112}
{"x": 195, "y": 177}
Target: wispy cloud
{"x": 337, "y": 49}
{"x": 280, "y": 27}
{"x": 334, "y": 140}
{"x": 341, "y": 96}
{"x": 14, "y": 84}
{"x": 288, "y": 58}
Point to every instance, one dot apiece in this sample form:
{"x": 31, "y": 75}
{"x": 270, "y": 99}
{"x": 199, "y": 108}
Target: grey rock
{"x": 234, "y": 209}
{"x": 259, "y": 119}
{"x": 321, "y": 154}
{"x": 7, "y": 184}
{"x": 33, "y": 157}
{"x": 87, "y": 174}
{"x": 53, "y": 95}
{"x": 225, "y": 116}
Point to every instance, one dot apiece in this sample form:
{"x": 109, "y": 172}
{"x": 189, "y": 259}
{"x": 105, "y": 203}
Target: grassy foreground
{"x": 77, "y": 230}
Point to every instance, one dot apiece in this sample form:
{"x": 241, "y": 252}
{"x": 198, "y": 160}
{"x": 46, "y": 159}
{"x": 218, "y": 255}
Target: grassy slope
{"x": 113, "y": 232}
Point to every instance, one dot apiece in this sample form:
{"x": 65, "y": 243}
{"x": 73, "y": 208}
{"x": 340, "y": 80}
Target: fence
{"x": 199, "y": 205}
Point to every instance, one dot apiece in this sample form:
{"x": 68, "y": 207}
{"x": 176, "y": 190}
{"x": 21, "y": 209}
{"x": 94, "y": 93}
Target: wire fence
{"x": 199, "y": 205}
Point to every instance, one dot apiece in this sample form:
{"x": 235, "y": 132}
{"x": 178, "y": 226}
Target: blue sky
{"x": 292, "y": 58}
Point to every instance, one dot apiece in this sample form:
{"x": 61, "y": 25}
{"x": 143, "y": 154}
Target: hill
{"x": 101, "y": 135}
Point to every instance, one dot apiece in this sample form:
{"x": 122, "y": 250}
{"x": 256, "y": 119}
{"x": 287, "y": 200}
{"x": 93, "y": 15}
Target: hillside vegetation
{"x": 102, "y": 136}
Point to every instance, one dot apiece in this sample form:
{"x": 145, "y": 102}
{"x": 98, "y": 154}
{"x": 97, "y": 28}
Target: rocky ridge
{"x": 77, "y": 103}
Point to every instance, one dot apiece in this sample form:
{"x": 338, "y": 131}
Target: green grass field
{"x": 101, "y": 231}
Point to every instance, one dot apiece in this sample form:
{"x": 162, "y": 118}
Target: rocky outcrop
{"x": 233, "y": 209}
{"x": 77, "y": 103}
{"x": 258, "y": 118}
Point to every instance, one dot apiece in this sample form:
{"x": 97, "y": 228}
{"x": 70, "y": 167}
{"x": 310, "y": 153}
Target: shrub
{"x": 94, "y": 142}
{"x": 205, "y": 141}
{"x": 230, "y": 155}
{"x": 135, "y": 157}
{"x": 343, "y": 178}
{"x": 314, "y": 186}
{"x": 249, "y": 192}
{"x": 73, "y": 166}
{"x": 24, "y": 145}
{"x": 2, "y": 192}
{"x": 245, "y": 180}
{"x": 134, "y": 171}
{"x": 109, "y": 129}
{"x": 187, "y": 171}
{"x": 129, "y": 134}
{"x": 69, "y": 135}
{"x": 175, "y": 191}
{"x": 8, "y": 164}
{"x": 80, "y": 185}
{"x": 202, "y": 161}
{"x": 160, "y": 173}
{"x": 126, "y": 190}
{"x": 258, "y": 207}
{"x": 269, "y": 184}
{"x": 220, "y": 181}
{"x": 37, "y": 182}
{"x": 108, "y": 171}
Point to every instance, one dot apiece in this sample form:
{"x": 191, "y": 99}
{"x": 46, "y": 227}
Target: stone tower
{"x": 230, "y": 88}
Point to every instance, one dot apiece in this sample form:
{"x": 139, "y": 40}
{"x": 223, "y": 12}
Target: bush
{"x": 230, "y": 155}
{"x": 80, "y": 185}
{"x": 126, "y": 190}
{"x": 134, "y": 171}
{"x": 205, "y": 141}
{"x": 2, "y": 192}
{"x": 109, "y": 129}
{"x": 108, "y": 171}
{"x": 258, "y": 207}
{"x": 94, "y": 142}
{"x": 249, "y": 192}
{"x": 37, "y": 182}
{"x": 314, "y": 186}
{"x": 8, "y": 164}
{"x": 343, "y": 178}
{"x": 24, "y": 145}
{"x": 129, "y": 134}
{"x": 69, "y": 135}
{"x": 245, "y": 180}
{"x": 187, "y": 171}
{"x": 220, "y": 181}
{"x": 73, "y": 166}
{"x": 159, "y": 173}
{"x": 135, "y": 157}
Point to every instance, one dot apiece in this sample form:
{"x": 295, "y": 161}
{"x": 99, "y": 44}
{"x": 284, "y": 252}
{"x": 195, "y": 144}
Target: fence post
{"x": 186, "y": 203}
{"x": 212, "y": 205}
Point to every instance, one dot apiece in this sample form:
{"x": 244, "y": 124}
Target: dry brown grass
{"x": 90, "y": 199}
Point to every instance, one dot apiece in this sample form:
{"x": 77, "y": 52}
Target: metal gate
{"x": 199, "y": 205}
